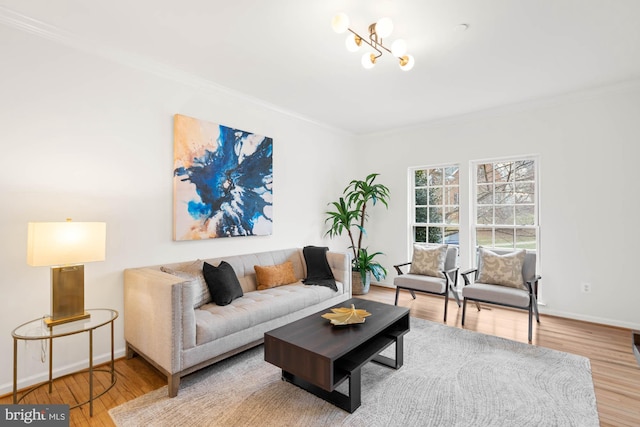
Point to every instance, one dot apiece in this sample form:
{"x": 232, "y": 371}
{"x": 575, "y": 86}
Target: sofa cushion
{"x": 193, "y": 273}
{"x": 428, "y": 260}
{"x": 222, "y": 282}
{"x": 254, "y": 308}
{"x": 269, "y": 276}
{"x": 504, "y": 270}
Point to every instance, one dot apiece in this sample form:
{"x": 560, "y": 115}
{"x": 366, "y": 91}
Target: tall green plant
{"x": 350, "y": 216}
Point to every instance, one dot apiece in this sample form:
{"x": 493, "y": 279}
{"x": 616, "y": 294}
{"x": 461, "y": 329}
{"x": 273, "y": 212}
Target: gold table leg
{"x": 113, "y": 369}
{"x": 91, "y": 372}
{"x": 15, "y": 370}
{"x": 50, "y": 364}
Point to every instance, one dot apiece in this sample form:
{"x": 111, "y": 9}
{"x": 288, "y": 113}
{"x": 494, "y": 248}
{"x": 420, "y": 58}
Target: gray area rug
{"x": 450, "y": 377}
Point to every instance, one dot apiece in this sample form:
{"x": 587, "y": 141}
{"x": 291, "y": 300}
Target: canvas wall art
{"x": 223, "y": 181}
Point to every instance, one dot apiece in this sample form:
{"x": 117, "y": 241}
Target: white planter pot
{"x": 359, "y": 288}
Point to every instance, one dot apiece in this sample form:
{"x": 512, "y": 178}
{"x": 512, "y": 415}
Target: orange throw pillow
{"x": 270, "y": 276}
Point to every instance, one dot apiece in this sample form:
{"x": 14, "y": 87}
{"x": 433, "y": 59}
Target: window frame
{"x": 412, "y": 217}
{"x": 473, "y": 205}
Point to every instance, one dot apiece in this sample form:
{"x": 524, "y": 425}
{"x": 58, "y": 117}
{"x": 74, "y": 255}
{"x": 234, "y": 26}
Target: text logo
{"x": 34, "y": 415}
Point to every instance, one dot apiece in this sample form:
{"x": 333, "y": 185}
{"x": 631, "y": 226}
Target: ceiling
{"x": 285, "y": 54}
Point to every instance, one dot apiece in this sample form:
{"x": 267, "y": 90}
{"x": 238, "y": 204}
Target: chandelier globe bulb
{"x": 351, "y": 43}
{"x": 399, "y": 48}
{"x": 368, "y": 61}
{"x": 384, "y": 27}
{"x": 340, "y": 23}
{"x": 407, "y": 62}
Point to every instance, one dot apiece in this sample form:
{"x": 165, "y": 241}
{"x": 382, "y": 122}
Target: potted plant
{"x": 350, "y": 214}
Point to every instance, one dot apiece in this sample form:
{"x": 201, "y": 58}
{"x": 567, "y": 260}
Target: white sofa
{"x": 162, "y": 325}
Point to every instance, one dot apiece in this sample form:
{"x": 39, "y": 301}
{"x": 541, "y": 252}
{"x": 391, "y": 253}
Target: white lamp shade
{"x": 410, "y": 63}
{"x": 340, "y": 23}
{"x": 351, "y": 44}
{"x": 399, "y": 48}
{"x": 367, "y": 63}
{"x": 65, "y": 243}
{"x": 384, "y": 27}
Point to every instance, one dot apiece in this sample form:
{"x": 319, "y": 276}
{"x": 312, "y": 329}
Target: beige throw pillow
{"x": 428, "y": 260}
{"x": 193, "y": 272}
{"x": 505, "y": 270}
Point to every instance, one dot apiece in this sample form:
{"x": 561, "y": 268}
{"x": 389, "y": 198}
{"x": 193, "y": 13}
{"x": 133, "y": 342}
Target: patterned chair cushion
{"x": 428, "y": 260}
{"x": 504, "y": 270}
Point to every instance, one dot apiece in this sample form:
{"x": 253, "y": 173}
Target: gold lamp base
{"x": 50, "y": 322}
{"x": 67, "y": 295}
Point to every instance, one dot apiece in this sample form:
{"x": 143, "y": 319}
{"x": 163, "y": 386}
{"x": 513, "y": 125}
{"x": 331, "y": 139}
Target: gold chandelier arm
{"x": 358, "y": 36}
{"x": 371, "y": 42}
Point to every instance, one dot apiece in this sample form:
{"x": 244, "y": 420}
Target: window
{"x": 435, "y": 204}
{"x": 506, "y": 203}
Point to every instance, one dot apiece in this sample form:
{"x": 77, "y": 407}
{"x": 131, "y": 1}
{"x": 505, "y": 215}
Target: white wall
{"x": 588, "y": 148}
{"x": 92, "y": 139}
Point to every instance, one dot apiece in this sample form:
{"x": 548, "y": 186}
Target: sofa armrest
{"x": 158, "y": 314}
{"x": 340, "y": 263}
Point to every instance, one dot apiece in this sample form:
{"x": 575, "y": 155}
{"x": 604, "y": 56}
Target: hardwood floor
{"x": 616, "y": 374}
{"x": 135, "y": 377}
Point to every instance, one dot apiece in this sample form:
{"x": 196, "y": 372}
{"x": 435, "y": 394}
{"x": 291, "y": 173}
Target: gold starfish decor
{"x": 346, "y": 316}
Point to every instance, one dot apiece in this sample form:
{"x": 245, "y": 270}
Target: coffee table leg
{"x": 348, "y": 403}
{"x": 387, "y": 361}
{"x": 399, "y": 352}
{"x": 354, "y": 390}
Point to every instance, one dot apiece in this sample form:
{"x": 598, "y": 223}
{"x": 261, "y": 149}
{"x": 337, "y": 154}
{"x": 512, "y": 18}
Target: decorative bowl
{"x": 346, "y": 316}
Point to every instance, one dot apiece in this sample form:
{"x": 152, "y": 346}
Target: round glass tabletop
{"x": 37, "y": 329}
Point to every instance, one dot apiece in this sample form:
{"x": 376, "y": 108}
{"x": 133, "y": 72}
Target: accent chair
{"x": 503, "y": 277}
{"x": 432, "y": 270}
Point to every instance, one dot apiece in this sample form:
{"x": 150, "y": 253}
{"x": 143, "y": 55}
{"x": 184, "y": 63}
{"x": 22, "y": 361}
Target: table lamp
{"x": 65, "y": 246}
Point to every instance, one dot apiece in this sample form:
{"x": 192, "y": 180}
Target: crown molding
{"x": 41, "y": 29}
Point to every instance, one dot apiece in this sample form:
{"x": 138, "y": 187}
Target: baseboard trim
{"x": 590, "y": 319}
{"x": 23, "y": 383}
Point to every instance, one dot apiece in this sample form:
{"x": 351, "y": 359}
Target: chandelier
{"x": 377, "y": 31}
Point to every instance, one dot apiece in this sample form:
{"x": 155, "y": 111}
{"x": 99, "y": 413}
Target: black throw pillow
{"x": 222, "y": 282}
{"x": 318, "y": 270}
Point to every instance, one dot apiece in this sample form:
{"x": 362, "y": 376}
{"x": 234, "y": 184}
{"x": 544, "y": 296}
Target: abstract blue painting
{"x": 223, "y": 181}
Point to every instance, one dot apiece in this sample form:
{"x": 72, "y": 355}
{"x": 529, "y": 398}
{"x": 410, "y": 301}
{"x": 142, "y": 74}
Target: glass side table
{"x": 35, "y": 330}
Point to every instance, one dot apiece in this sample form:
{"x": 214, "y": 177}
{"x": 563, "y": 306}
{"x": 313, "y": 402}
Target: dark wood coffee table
{"x": 318, "y": 357}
